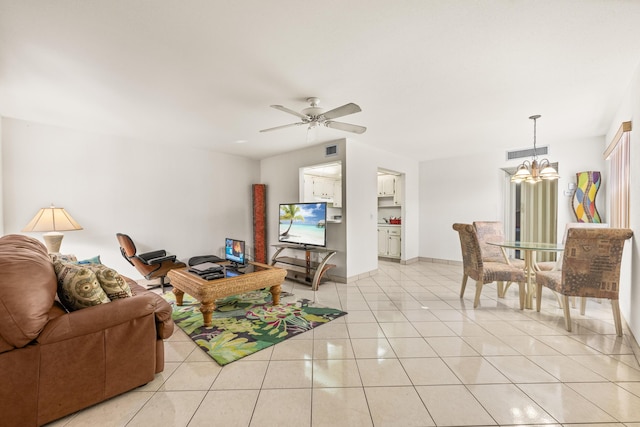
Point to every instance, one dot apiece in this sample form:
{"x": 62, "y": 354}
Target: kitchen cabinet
{"x": 398, "y": 192}
{"x": 389, "y": 241}
{"x": 323, "y": 188}
{"x": 386, "y": 185}
{"x": 337, "y": 193}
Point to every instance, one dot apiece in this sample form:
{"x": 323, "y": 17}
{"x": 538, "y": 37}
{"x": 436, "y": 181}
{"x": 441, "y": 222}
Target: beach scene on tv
{"x": 303, "y": 223}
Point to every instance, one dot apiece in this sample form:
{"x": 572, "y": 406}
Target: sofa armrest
{"x": 103, "y": 316}
{"x": 164, "y": 320}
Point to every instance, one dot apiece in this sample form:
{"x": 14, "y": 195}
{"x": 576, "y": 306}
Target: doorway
{"x": 390, "y": 202}
{"x": 531, "y": 212}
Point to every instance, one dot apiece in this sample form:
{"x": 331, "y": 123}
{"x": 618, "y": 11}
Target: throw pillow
{"x": 78, "y": 286}
{"x": 110, "y": 281}
{"x": 93, "y": 260}
{"x": 63, "y": 257}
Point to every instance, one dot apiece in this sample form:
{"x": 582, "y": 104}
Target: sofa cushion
{"x": 110, "y": 281}
{"x": 27, "y": 289}
{"x": 78, "y": 286}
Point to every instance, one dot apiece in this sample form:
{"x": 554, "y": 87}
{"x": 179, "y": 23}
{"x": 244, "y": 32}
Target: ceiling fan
{"x": 316, "y": 116}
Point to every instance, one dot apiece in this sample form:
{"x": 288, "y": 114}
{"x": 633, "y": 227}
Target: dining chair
{"x": 557, "y": 265}
{"x": 590, "y": 268}
{"x": 493, "y": 232}
{"x": 484, "y": 272}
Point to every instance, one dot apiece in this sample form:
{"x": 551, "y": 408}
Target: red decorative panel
{"x": 259, "y": 196}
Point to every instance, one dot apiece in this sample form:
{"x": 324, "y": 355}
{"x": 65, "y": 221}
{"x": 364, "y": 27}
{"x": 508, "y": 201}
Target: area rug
{"x": 244, "y": 324}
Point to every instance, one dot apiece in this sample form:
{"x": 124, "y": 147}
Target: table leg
{"x": 207, "y": 308}
{"x": 275, "y": 294}
{"x": 179, "y": 294}
{"x": 528, "y": 271}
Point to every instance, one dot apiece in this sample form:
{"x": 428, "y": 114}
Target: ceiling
{"x": 434, "y": 78}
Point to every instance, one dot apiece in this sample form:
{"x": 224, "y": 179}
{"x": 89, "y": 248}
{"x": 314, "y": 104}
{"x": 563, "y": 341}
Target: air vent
{"x": 330, "y": 150}
{"x": 528, "y": 152}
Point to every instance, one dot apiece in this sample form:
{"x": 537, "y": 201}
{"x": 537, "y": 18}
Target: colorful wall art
{"x": 584, "y": 199}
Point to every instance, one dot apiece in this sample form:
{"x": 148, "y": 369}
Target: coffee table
{"x": 256, "y": 276}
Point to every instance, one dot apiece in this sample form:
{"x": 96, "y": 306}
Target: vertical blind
{"x": 618, "y": 155}
{"x": 539, "y": 214}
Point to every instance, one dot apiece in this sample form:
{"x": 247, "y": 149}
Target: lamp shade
{"x": 52, "y": 219}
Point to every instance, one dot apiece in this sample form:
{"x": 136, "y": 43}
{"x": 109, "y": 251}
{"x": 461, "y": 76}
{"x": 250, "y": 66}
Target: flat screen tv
{"x": 303, "y": 223}
{"x": 234, "y": 252}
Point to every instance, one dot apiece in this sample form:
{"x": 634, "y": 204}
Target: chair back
{"x": 127, "y": 247}
{"x": 490, "y": 232}
{"x": 591, "y": 261}
{"x": 471, "y": 254}
{"x": 581, "y": 225}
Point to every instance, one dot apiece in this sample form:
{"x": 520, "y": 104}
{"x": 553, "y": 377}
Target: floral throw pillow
{"x": 63, "y": 257}
{"x": 111, "y": 282}
{"x": 78, "y": 286}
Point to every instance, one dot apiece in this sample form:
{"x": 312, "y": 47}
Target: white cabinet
{"x": 394, "y": 243}
{"x": 386, "y": 185}
{"x": 337, "y": 193}
{"x": 398, "y": 194}
{"x": 383, "y": 241}
{"x": 323, "y": 188}
{"x": 307, "y": 195}
{"x": 389, "y": 241}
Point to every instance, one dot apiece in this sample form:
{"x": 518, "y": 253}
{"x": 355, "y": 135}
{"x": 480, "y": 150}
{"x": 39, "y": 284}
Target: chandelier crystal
{"x": 534, "y": 171}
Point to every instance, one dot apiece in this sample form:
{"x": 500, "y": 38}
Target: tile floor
{"x": 409, "y": 353}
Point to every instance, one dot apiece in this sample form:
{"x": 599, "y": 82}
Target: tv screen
{"x": 234, "y": 251}
{"x": 303, "y": 223}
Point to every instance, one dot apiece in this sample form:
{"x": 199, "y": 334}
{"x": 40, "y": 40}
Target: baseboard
{"x": 632, "y": 341}
{"x": 440, "y": 261}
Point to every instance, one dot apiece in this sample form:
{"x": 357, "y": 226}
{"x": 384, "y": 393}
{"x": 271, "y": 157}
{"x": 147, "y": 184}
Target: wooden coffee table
{"x": 256, "y": 276}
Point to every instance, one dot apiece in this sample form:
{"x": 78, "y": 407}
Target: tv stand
{"x": 304, "y": 270}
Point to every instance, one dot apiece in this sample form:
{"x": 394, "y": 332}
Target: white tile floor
{"x": 409, "y": 353}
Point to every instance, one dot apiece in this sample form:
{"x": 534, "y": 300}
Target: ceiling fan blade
{"x": 342, "y": 111}
{"x": 345, "y": 126}
{"x": 283, "y": 126}
{"x": 287, "y": 110}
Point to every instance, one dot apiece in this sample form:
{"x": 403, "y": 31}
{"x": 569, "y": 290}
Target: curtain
{"x": 539, "y": 214}
{"x": 619, "y": 183}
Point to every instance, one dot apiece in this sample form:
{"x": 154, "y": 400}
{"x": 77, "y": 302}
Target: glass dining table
{"x": 530, "y": 267}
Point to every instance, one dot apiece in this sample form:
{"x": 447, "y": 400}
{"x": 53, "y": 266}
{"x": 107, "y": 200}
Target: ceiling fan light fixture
{"x": 315, "y": 116}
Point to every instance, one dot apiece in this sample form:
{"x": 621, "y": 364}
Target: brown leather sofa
{"x": 54, "y": 362}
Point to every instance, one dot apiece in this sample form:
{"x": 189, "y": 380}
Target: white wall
{"x": 363, "y": 163}
{"x": 281, "y": 174}
{"x": 180, "y": 199}
{"x": 360, "y": 165}
{"x": 630, "y": 276}
{"x": 471, "y": 188}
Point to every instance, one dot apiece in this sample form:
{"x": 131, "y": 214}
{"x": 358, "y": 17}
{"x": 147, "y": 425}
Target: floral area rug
{"x": 246, "y": 323}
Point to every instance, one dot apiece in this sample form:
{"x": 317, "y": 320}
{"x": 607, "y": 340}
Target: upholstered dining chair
{"x": 557, "y": 265}
{"x": 493, "y": 232}
{"x": 590, "y": 268}
{"x": 151, "y": 265}
{"x": 484, "y": 272}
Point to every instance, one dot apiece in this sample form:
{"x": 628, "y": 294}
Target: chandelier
{"x": 534, "y": 171}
